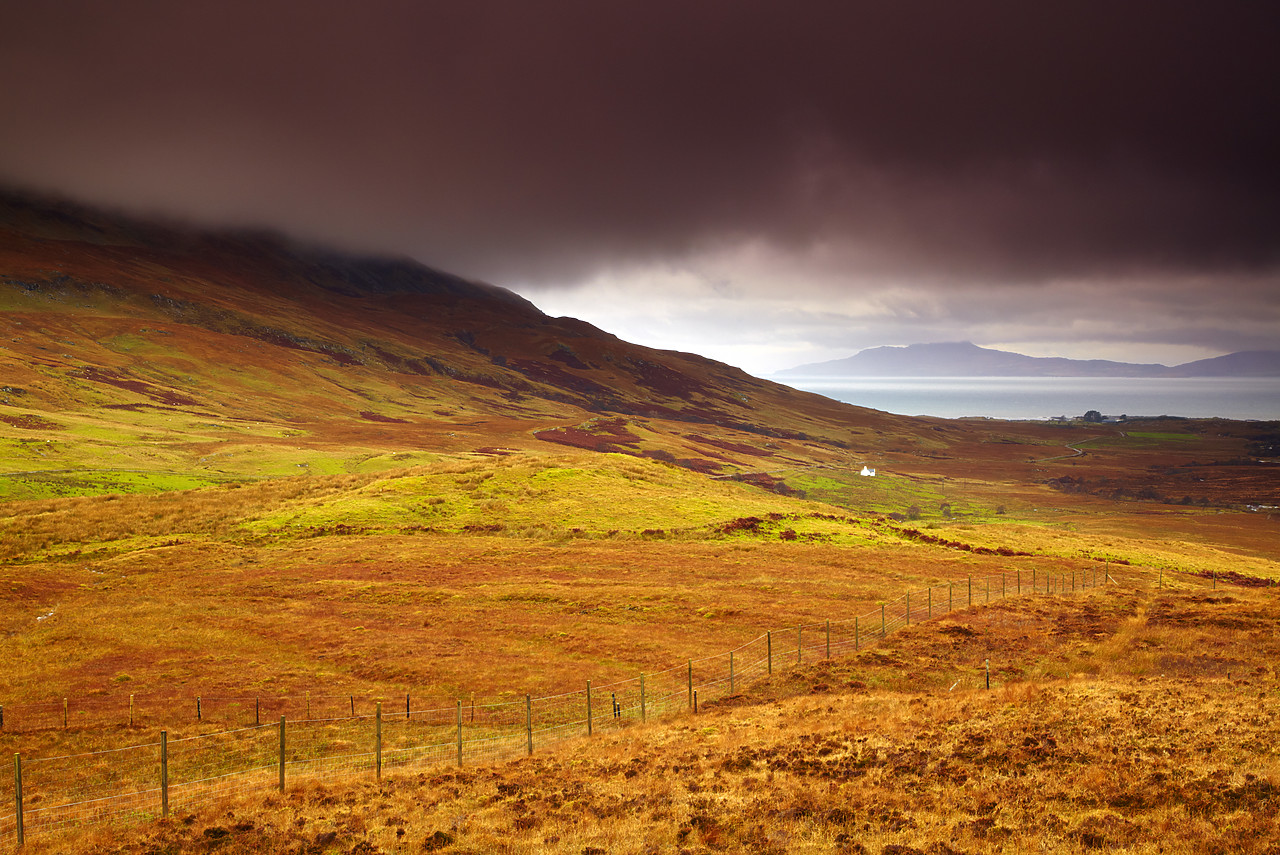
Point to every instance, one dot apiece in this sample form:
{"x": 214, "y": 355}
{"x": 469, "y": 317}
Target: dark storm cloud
{"x": 536, "y": 139}
{"x": 544, "y": 144}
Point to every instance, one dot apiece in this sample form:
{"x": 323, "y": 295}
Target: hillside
{"x": 211, "y": 344}
{"x": 240, "y": 477}
{"x": 965, "y": 359}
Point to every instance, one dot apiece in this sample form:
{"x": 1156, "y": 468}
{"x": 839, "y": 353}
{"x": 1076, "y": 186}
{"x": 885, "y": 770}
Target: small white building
{"x": 868, "y": 473}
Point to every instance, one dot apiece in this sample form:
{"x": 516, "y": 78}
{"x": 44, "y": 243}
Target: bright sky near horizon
{"x": 767, "y": 184}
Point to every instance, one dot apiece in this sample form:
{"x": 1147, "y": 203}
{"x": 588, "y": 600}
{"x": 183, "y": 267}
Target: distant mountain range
{"x": 965, "y": 359}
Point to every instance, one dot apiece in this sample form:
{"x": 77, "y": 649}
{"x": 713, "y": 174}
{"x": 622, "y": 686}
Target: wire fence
{"x": 338, "y": 737}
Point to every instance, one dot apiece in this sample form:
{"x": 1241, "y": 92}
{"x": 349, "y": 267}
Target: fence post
{"x": 799, "y": 645}
{"x": 987, "y": 585}
{"x": 971, "y": 590}
{"x": 1017, "y": 580}
{"x": 855, "y": 633}
{"x": 65, "y": 704}
{"x": 1033, "y": 580}
{"x": 951, "y": 595}
{"x": 768, "y": 640}
{"x": 257, "y": 711}
{"x": 1002, "y": 585}
{"x": 929, "y": 610}
{"x": 17, "y": 797}
{"x": 406, "y": 704}
{"x": 199, "y": 712}
{"x": 308, "y": 706}
{"x": 1, "y": 716}
{"x": 987, "y": 664}
{"x": 690, "y": 684}
{"x": 282, "y": 754}
{"x": 695, "y": 703}
{"x": 459, "y": 731}
{"x": 589, "y": 708}
{"x": 528, "y": 722}
{"x": 164, "y": 773}
{"x": 131, "y": 710}
{"x": 731, "y": 689}
{"x": 908, "y": 608}
{"x": 643, "y": 711}
{"x": 882, "y": 620}
{"x": 377, "y": 740}
{"x": 352, "y": 698}
{"x": 828, "y": 638}
{"x": 1161, "y": 585}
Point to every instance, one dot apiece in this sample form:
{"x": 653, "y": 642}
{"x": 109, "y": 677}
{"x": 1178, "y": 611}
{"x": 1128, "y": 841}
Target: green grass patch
{"x": 604, "y": 494}
{"x": 885, "y": 494}
{"x": 49, "y": 485}
{"x": 1144, "y": 439}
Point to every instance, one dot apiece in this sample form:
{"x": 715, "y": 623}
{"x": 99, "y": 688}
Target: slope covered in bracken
{"x": 1131, "y": 719}
{"x": 135, "y": 324}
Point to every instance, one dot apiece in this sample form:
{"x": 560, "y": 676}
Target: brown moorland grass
{"x": 263, "y": 591}
{"x": 1132, "y": 719}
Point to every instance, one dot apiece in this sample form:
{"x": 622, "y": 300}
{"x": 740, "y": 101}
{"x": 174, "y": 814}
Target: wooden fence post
{"x": 882, "y": 620}
{"x": 731, "y": 688}
{"x": 987, "y": 664}
{"x": 164, "y": 773}
{"x": 799, "y": 645}
{"x": 377, "y": 741}
{"x": 1002, "y": 586}
{"x": 282, "y": 753}
{"x": 929, "y": 611}
{"x": 643, "y": 712}
{"x": 131, "y": 710}
{"x": 970, "y": 590}
{"x": 589, "y": 728}
{"x": 459, "y": 732}
{"x": 528, "y": 721}
{"x": 908, "y": 608}
{"x": 199, "y": 712}
{"x": 828, "y": 638}
{"x": 17, "y": 797}
{"x": 768, "y": 638}
{"x": 1018, "y": 580}
{"x": 257, "y": 712}
{"x": 308, "y": 706}
{"x": 65, "y": 707}
{"x": 406, "y": 705}
{"x": 690, "y": 684}
{"x": 856, "y": 640}
{"x": 951, "y": 595}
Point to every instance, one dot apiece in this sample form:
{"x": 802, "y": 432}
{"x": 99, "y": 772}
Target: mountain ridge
{"x": 965, "y": 359}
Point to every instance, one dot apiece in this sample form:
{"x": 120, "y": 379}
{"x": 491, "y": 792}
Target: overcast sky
{"x": 766, "y": 183}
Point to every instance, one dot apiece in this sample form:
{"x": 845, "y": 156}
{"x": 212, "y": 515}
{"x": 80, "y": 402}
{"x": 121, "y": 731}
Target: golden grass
{"x": 820, "y": 760}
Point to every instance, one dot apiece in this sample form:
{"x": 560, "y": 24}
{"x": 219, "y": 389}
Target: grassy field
{"x": 1130, "y": 719}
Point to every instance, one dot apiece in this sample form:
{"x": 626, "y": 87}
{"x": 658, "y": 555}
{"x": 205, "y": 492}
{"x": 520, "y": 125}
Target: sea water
{"x": 1050, "y": 397}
